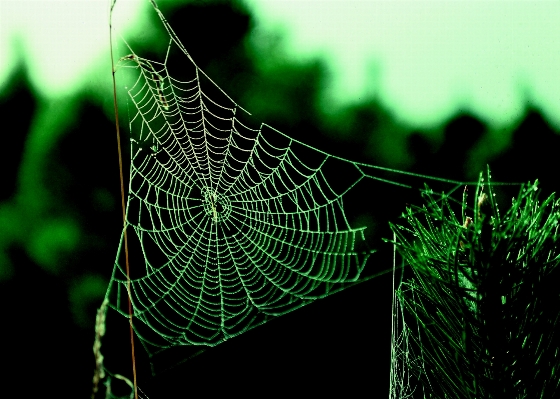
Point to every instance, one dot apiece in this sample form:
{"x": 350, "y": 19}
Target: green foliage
{"x": 480, "y": 310}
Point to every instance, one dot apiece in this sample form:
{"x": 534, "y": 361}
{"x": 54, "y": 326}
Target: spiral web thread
{"x": 229, "y": 225}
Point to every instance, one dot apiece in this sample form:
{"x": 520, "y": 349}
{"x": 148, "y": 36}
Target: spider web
{"x": 230, "y": 224}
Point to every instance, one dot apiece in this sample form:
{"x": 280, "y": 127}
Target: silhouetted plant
{"x": 477, "y": 317}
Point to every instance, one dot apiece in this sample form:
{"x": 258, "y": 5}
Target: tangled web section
{"x": 230, "y": 224}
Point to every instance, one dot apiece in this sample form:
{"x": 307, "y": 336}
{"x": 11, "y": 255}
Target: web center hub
{"x": 216, "y": 206}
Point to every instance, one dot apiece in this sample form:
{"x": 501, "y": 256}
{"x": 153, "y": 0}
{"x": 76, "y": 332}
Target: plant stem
{"x": 122, "y": 200}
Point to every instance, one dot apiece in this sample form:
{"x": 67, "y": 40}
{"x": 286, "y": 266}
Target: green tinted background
{"x": 435, "y": 87}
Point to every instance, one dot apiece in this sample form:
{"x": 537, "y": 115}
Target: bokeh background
{"x": 438, "y": 88}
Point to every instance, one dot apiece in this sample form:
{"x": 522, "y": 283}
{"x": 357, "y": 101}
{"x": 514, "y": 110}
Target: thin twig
{"x": 122, "y": 199}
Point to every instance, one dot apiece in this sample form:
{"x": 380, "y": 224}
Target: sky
{"x": 424, "y": 60}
